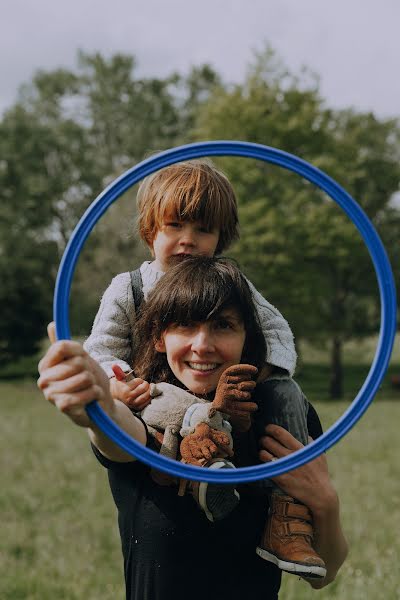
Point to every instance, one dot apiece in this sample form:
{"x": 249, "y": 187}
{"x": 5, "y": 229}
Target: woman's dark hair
{"x": 196, "y": 289}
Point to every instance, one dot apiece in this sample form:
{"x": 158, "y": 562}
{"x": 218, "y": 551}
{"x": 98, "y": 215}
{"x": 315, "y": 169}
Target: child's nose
{"x": 188, "y": 236}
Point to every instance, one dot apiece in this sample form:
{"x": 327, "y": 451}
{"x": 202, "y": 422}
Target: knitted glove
{"x": 205, "y": 443}
{"x": 233, "y": 393}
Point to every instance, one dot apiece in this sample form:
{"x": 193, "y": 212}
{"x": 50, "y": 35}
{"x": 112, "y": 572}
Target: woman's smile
{"x": 203, "y": 367}
{"x": 199, "y": 352}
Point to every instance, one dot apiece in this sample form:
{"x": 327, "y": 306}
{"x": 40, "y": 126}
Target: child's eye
{"x": 174, "y": 224}
{"x": 204, "y": 229}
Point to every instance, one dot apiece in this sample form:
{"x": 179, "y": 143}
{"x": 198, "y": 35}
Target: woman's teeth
{"x": 202, "y": 366}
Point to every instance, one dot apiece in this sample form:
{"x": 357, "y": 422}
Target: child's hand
{"x": 134, "y": 393}
{"x": 70, "y": 379}
{"x": 205, "y": 443}
{"x": 233, "y": 394}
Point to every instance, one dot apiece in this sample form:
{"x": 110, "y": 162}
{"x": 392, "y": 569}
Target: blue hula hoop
{"x": 379, "y": 259}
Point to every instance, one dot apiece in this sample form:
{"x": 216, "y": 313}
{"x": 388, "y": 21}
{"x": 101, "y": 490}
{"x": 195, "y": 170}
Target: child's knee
{"x": 281, "y": 391}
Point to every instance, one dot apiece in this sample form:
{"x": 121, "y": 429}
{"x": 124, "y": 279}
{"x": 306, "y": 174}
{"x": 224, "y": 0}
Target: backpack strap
{"x": 137, "y": 288}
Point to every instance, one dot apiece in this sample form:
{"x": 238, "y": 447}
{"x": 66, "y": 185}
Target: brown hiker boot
{"x": 287, "y": 538}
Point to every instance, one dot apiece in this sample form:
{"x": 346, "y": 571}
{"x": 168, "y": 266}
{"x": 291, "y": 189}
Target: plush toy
{"x": 174, "y": 412}
{"x": 203, "y": 425}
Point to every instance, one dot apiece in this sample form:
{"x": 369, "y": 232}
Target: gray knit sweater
{"x": 112, "y": 338}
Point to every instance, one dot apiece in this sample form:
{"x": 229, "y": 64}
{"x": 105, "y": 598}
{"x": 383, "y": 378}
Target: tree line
{"x": 71, "y": 132}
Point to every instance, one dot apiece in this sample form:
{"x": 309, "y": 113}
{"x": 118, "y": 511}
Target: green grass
{"x": 364, "y": 467}
{"x": 59, "y": 535}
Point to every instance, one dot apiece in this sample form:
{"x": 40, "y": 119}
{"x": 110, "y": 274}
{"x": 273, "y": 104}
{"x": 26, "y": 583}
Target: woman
{"x": 192, "y": 329}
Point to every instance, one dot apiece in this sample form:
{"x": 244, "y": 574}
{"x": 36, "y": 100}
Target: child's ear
{"x": 159, "y": 345}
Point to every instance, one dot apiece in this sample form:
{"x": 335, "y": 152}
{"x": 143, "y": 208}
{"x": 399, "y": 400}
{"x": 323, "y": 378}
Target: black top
{"x": 172, "y": 552}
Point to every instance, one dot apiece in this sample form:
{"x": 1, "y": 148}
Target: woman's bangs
{"x": 197, "y": 302}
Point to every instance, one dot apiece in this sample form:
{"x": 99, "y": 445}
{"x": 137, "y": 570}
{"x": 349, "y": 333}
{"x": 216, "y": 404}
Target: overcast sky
{"x": 353, "y": 45}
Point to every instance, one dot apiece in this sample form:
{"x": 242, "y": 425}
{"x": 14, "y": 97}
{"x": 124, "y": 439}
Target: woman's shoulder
{"x": 313, "y": 423}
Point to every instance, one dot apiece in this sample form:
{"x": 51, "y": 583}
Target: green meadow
{"x": 58, "y": 523}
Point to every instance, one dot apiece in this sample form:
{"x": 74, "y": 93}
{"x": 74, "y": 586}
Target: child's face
{"x": 199, "y": 352}
{"x": 180, "y": 238}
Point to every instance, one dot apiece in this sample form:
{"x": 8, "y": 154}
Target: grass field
{"x": 58, "y": 523}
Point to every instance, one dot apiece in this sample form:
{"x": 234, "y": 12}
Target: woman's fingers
{"x": 74, "y": 402}
{"x": 75, "y": 383}
{"x": 281, "y": 437}
{"x": 60, "y": 372}
{"x": 60, "y": 351}
{"x": 266, "y": 456}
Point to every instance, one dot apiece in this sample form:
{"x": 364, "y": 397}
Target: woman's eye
{"x": 185, "y": 324}
{"x": 223, "y": 324}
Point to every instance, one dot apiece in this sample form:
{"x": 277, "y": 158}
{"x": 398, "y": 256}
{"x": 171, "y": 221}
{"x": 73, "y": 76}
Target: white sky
{"x": 353, "y": 45}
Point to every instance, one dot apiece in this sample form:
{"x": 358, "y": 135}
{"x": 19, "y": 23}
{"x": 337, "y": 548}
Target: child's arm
{"x": 312, "y": 486}
{"x": 131, "y": 390}
{"x": 70, "y": 379}
{"x": 281, "y": 351}
{"x": 110, "y": 341}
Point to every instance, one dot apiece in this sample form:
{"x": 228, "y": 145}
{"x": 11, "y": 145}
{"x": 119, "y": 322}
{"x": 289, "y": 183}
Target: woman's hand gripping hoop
{"x": 379, "y": 259}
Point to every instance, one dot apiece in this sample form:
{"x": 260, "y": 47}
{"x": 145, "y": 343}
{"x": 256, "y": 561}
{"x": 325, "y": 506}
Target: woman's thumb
{"x": 51, "y": 332}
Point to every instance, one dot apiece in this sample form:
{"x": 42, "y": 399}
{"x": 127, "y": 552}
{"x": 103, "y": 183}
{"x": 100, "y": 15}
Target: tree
{"x": 70, "y": 133}
{"x": 25, "y": 295}
{"x": 28, "y": 255}
{"x": 297, "y": 246}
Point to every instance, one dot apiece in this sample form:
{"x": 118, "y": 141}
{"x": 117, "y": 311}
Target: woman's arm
{"x": 311, "y": 485}
{"x": 70, "y": 379}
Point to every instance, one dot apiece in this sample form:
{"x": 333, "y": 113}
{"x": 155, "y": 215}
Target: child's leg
{"x": 288, "y": 532}
{"x": 281, "y": 402}
{"x": 216, "y": 500}
{"x": 209, "y": 448}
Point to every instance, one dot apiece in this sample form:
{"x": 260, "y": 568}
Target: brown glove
{"x": 205, "y": 443}
{"x": 233, "y": 394}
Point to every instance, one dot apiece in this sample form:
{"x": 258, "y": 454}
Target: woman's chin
{"x": 200, "y": 388}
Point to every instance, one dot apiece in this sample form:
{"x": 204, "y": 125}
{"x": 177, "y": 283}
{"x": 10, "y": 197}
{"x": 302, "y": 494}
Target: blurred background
{"x": 88, "y": 89}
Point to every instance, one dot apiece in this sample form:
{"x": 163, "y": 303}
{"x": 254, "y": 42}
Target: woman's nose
{"x": 203, "y": 340}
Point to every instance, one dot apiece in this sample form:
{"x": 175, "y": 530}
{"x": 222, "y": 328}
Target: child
{"x": 190, "y": 209}
{"x": 191, "y": 338}
{"x": 185, "y": 209}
